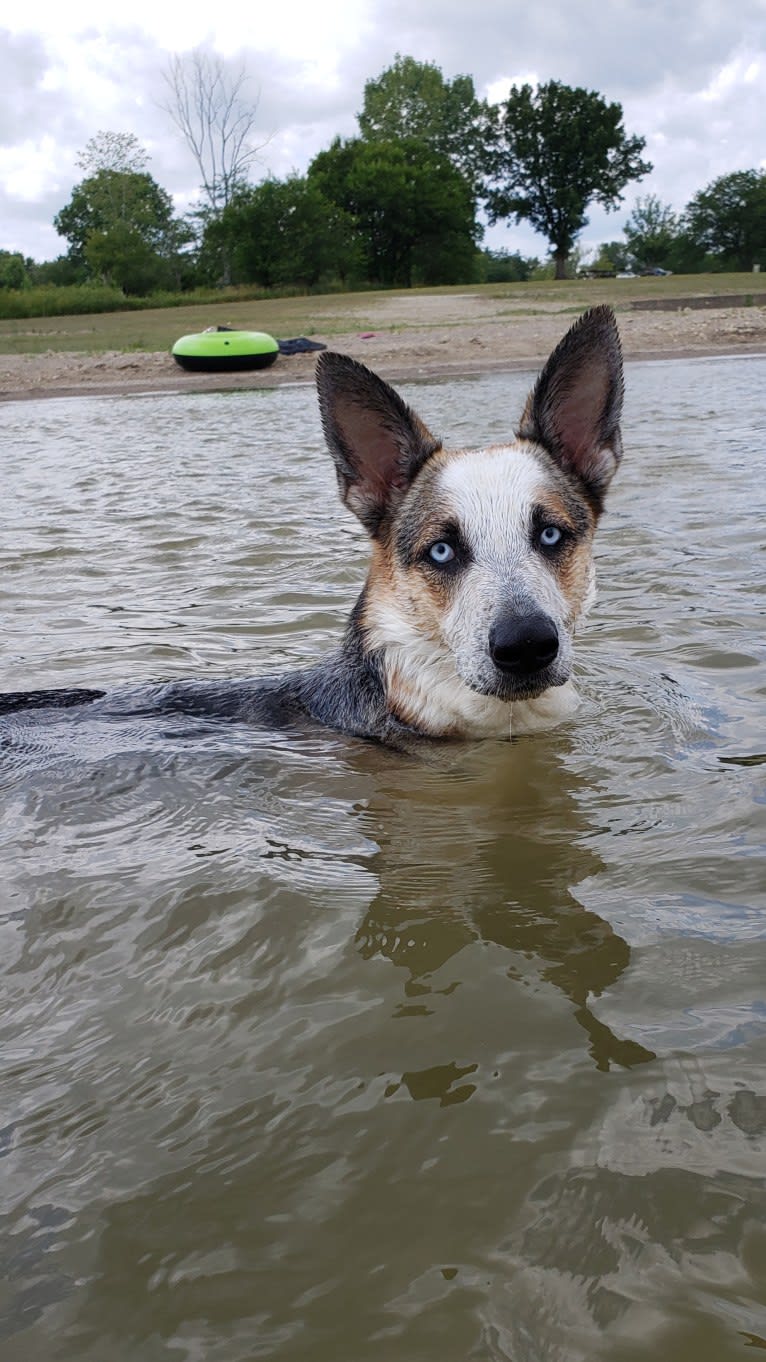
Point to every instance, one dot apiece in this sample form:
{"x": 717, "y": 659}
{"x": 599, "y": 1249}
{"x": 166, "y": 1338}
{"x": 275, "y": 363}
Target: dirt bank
{"x": 410, "y": 338}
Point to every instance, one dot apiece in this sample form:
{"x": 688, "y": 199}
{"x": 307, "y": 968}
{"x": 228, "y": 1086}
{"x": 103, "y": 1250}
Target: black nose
{"x": 523, "y": 645}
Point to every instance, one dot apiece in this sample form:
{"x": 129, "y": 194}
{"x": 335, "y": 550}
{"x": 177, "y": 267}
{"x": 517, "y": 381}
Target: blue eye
{"x": 441, "y": 552}
{"x": 550, "y": 536}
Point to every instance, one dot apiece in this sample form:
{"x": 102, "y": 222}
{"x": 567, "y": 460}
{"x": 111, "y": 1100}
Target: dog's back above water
{"x": 481, "y": 565}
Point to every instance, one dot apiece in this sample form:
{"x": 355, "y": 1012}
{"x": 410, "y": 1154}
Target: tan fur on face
{"x": 577, "y": 577}
{"x": 556, "y": 506}
{"x": 574, "y": 567}
{"x": 423, "y": 687}
{"x": 394, "y": 591}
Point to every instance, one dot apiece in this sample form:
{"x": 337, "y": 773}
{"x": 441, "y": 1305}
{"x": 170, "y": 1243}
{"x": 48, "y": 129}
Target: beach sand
{"x": 422, "y": 336}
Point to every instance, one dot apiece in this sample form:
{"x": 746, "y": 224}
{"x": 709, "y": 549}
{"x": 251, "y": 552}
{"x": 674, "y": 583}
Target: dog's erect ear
{"x": 574, "y": 408}
{"x": 377, "y": 442}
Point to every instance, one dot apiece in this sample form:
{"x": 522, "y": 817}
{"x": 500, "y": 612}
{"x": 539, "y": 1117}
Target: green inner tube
{"x": 219, "y": 350}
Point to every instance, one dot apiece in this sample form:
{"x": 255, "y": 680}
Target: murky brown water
{"x": 313, "y": 1051}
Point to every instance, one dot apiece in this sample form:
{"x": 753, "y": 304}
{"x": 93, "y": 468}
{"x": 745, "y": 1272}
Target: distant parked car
{"x": 655, "y": 271}
{"x": 626, "y": 274}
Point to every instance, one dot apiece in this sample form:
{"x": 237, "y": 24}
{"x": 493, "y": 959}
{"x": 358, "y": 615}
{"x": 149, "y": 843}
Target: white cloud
{"x": 741, "y": 70}
{"x": 315, "y": 35}
{"x": 498, "y": 90}
{"x": 695, "y": 90}
{"x": 29, "y": 168}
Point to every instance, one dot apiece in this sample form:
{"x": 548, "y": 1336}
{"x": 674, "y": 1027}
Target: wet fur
{"x": 417, "y": 659}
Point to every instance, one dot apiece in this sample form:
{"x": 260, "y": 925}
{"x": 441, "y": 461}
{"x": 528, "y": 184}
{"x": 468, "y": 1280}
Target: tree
{"x": 727, "y": 219}
{"x": 124, "y": 258}
{"x": 112, "y": 198}
{"x": 284, "y": 232}
{"x": 63, "y": 271}
{"x": 13, "y": 270}
{"x": 120, "y": 152}
{"x": 210, "y": 106}
{"x": 551, "y": 152}
{"x": 413, "y": 210}
{"x": 651, "y": 232}
{"x": 216, "y": 117}
{"x": 412, "y": 99}
{"x": 120, "y": 226}
{"x": 505, "y": 267}
{"x": 613, "y": 255}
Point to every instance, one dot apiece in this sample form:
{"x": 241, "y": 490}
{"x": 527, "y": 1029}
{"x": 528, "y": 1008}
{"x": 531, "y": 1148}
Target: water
{"x": 311, "y": 1050}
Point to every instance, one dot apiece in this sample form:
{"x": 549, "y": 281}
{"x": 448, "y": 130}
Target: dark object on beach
{"x": 301, "y": 345}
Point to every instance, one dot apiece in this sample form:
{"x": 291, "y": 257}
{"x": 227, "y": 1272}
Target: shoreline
{"x": 424, "y": 345}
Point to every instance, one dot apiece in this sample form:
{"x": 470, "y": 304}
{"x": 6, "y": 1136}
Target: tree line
{"x": 396, "y": 205}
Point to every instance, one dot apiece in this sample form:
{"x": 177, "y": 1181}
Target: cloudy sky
{"x": 691, "y": 78}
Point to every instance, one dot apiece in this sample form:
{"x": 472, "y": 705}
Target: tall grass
{"x": 60, "y": 300}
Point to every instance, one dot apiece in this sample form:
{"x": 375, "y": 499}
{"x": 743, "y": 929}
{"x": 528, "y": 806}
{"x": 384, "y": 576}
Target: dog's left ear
{"x": 378, "y": 444}
{"x": 575, "y": 407}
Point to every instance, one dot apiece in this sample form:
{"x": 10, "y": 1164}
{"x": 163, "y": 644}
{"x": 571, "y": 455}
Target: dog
{"x": 481, "y": 564}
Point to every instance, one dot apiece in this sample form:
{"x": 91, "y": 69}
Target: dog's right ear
{"x": 378, "y": 444}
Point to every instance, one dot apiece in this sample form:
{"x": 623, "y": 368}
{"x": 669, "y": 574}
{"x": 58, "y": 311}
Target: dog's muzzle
{"x": 522, "y": 646}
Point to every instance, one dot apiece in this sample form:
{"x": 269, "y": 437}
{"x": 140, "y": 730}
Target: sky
{"x": 691, "y": 78}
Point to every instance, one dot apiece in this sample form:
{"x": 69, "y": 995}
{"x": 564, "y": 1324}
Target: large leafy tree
{"x": 727, "y": 219}
{"x": 113, "y": 198}
{"x": 651, "y": 232}
{"x": 412, "y": 99}
{"x": 282, "y": 232}
{"x": 124, "y": 258}
{"x": 553, "y": 150}
{"x": 414, "y": 212}
{"x": 120, "y": 226}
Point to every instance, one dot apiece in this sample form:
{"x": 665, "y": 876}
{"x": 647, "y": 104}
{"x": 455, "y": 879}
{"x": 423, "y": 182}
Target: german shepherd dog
{"x": 481, "y": 564}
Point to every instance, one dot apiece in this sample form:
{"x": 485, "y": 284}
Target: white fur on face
{"x": 424, "y": 675}
{"x": 493, "y": 493}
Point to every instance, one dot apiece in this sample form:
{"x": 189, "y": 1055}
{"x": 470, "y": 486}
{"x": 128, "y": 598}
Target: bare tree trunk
{"x": 560, "y": 259}
{"x": 209, "y": 105}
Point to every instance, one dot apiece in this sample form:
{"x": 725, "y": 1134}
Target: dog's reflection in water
{"x": 491, "y": 848}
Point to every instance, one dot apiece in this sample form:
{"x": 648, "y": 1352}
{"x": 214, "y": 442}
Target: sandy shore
{"x": 415, "y": 338}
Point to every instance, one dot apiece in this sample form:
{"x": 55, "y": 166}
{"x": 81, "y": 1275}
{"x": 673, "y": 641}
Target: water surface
{"x": 312, "y": 1050}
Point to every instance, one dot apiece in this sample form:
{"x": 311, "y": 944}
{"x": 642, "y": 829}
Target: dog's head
{"x": 482, "y": 558}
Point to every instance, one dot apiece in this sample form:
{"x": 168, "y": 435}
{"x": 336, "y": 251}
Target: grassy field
{"x": 340, "y": 313}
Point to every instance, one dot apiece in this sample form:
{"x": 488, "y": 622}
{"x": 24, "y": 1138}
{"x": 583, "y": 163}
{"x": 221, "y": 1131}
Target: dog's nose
{"x": 522, "y": 646}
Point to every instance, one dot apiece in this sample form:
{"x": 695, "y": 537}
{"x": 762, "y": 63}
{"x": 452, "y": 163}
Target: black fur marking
{"x": 552, "y": 553}
{"x": 574, "y": 527}
{"x": 414, "y": 539}
{"x": 14, "y": 700}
